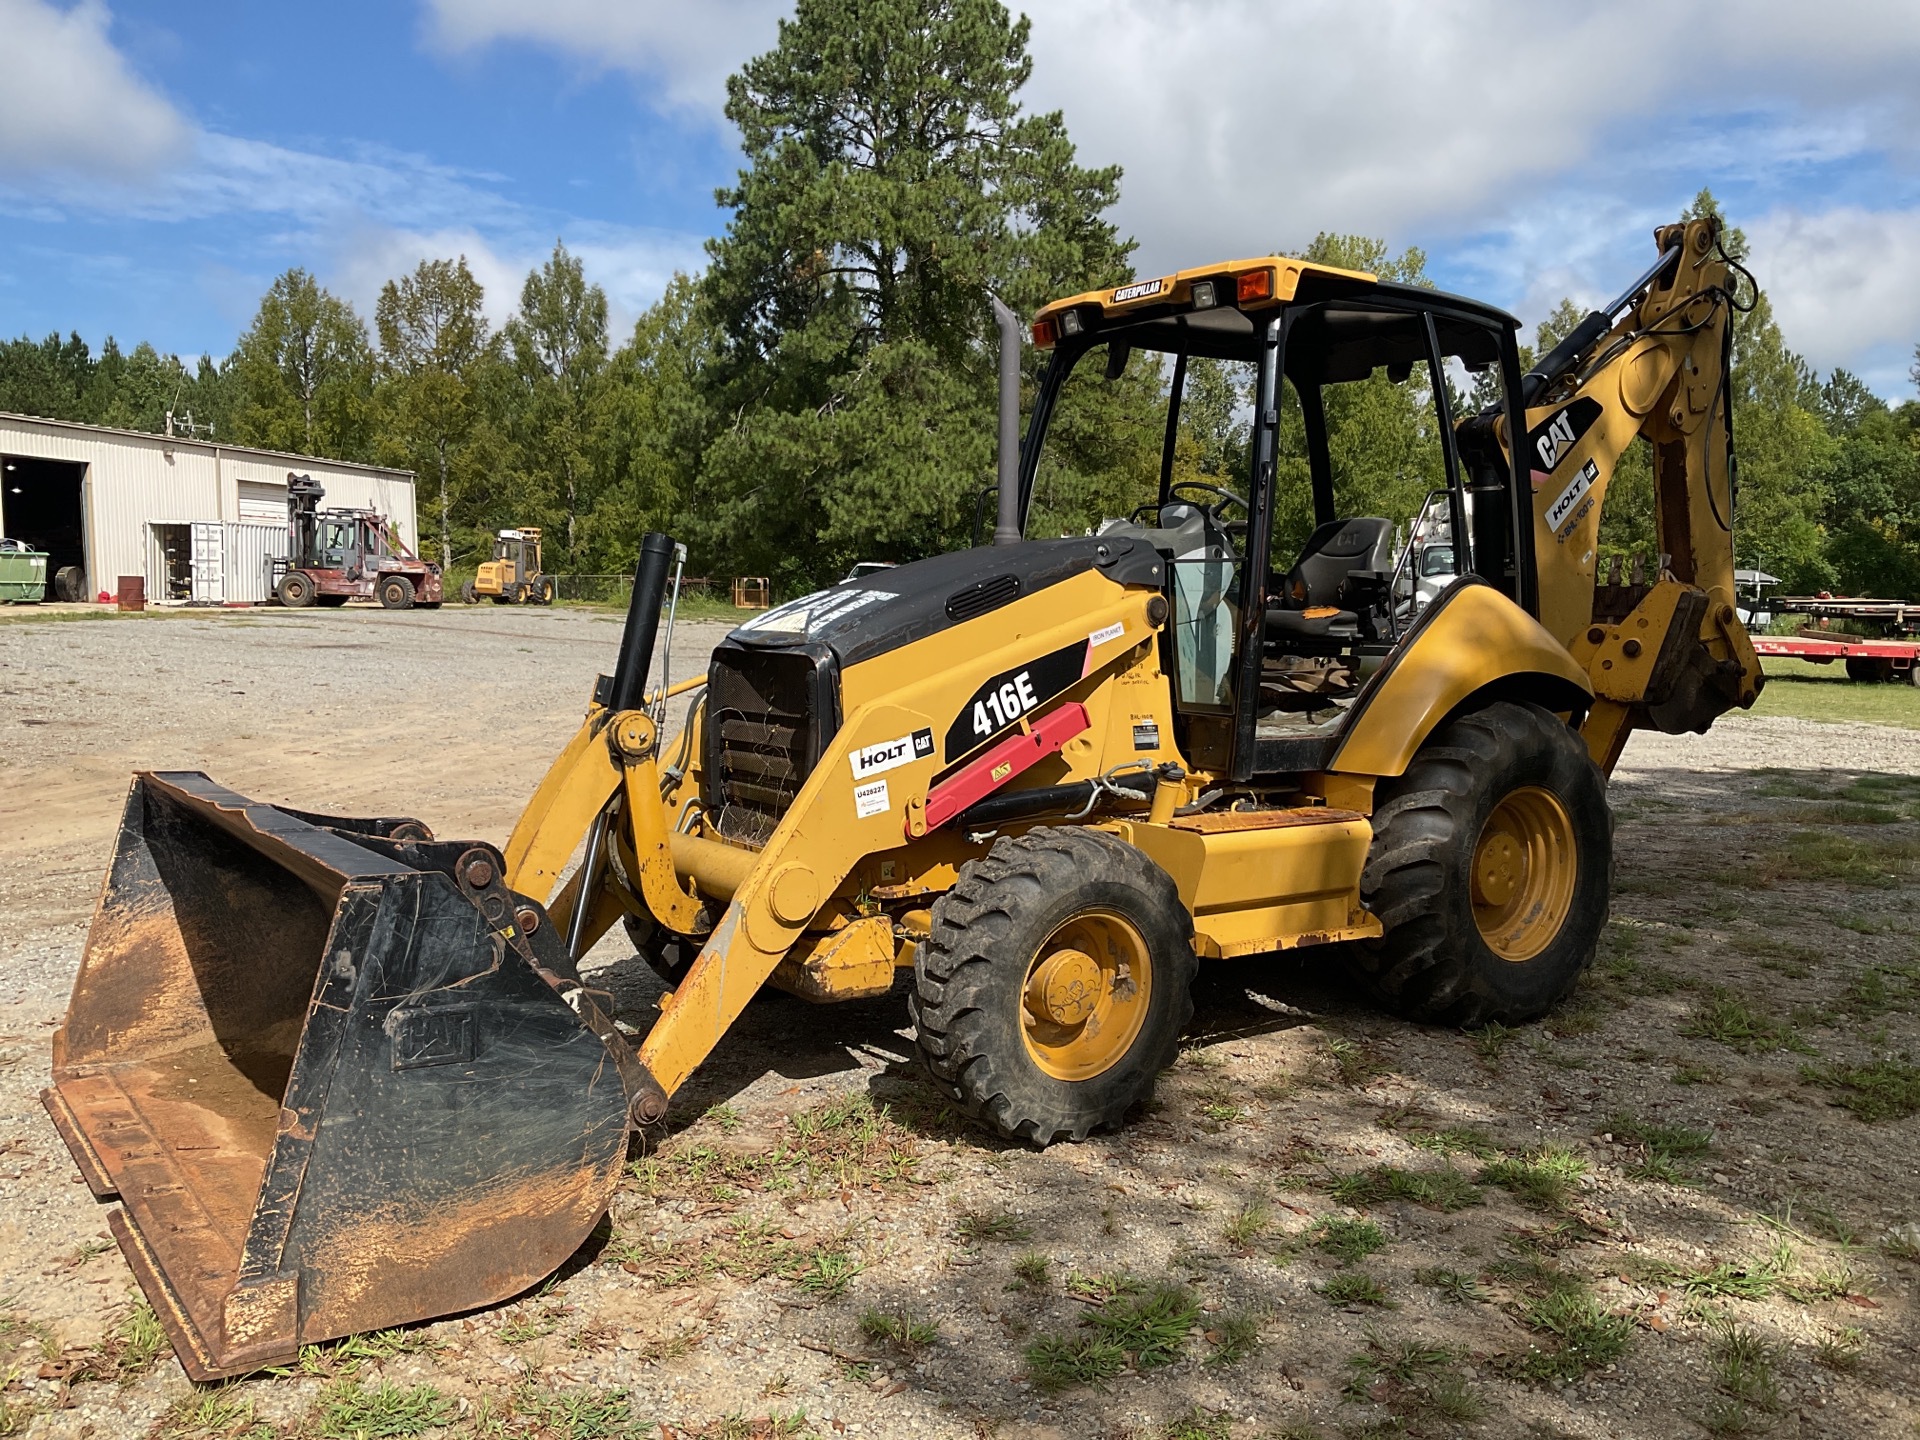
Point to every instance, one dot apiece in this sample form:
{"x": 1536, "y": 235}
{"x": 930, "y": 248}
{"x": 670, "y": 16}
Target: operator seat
{"x": 1319, "y": 606}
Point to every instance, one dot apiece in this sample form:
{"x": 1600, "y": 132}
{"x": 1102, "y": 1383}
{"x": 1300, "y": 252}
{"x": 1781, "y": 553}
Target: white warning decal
{"x": 871, "y": 799}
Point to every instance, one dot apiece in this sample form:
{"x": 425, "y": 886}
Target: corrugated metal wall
{"x": 250, "y": 552}
{"x": 135, "y": 480}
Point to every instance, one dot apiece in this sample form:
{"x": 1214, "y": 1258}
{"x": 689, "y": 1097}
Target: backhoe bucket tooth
{"x": 336, "y": 1078}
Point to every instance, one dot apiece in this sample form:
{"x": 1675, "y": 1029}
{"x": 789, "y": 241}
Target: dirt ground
{"x": 1688, "y": 1203}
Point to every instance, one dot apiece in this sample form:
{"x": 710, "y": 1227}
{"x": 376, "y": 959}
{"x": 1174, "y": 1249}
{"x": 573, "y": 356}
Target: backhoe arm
{"x": 1668, "y": 653}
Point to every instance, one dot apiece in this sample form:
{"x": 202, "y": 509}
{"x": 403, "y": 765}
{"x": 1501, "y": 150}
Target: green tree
{"x": 1781, "y": 446}
{"x": 557, "y": 343}
{"x": 304, "y": 371}
{"x": 656, "y": 423}
{"x": 434, "y": 343}
{"x": 1383, "y": 439}
{"x": 892, "y": 180}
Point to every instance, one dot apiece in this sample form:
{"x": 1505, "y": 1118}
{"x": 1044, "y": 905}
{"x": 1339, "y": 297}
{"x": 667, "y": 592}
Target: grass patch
{"x": 1247, "y": 1225}
{"x": 207, "y": 1412}
{"x": 1830, "y": 857}
{"x": 1234, "y": 1336}
{"x": 1490, "y": 1042}
{"x": 1420, "y": 1386}
{"x": 1031, "y": 1271}
{"x": 1444, "y": 1190}
{"x": 1726, "y": 1019}
{"x": 1544, "y": 1178}
{"x": 1664, "y": 1149}
{"x": 1105, "y": 1286}
{"x": 978, "y": 1225}
{"x": 1354, "y": 1062}
{"x": 1055, "y": 1362}
{"x": 1456, "y": 1287}
{"x": 1455, "y": 1140}
{"x": 906, "y": 1333}
{"x": 582, "y": 1414}
{"x": 1841, "y": 1351}
{"x": 1806, "y": 691}
{"x": 348, "y": 1412}
{"x": 824, "y": 1272}
{"x": 1355, "y": 1287}
{"x": 1152, "y": 1328}
{"x": 1878, "y": 1090}
{"x": 1348, "y": 1241}
{"x": 1576, "y": 1334}
{"x": 1198, "y": 1424}
{"x": 848, "y": 1144}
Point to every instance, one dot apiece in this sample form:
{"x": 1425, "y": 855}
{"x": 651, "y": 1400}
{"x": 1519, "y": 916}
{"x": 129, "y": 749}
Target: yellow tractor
{"x": 344, "y": 1075}
{"x": 512, "y": 576}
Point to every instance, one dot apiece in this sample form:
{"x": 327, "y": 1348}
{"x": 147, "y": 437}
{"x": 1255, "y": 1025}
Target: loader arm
{"x": 1666, "y": 651}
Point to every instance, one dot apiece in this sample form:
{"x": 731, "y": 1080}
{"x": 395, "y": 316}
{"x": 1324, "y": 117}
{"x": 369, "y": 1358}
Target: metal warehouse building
{"x": 200, "y": 521}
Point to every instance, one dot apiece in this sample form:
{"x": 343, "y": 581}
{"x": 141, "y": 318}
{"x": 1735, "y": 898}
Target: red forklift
{"x": 334, "y": 556}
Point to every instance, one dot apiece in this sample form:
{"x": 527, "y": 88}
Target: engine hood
{"x": 858, "y": 619}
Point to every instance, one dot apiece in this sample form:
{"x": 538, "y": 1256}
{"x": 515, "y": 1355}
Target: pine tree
{"x": 434, "y": 342}
{"x": 557, "y": 344}
{"x": 892, "y": 180}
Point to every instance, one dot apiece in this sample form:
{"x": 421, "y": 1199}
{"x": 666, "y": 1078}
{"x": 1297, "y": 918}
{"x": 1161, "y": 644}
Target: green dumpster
{"x": 23, "y": 573}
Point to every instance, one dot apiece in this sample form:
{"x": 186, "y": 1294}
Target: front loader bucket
{"x": 339, "y": 1076}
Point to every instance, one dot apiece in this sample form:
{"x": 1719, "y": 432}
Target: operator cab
{"x": 1318, "y": 492}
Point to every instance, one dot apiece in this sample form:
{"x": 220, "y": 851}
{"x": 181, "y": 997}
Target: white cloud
{"x": 684, "y": 51}
{"x": 69, "y": 102}
{"x": 1845, "y": 286}
{"x": 1242, "y": 123}
{"x": 632, "y": 265}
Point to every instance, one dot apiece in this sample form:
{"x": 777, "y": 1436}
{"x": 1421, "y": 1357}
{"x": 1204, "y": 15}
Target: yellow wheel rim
{"x": 1524, "y": 870}
{"x": 1086, "y": 995}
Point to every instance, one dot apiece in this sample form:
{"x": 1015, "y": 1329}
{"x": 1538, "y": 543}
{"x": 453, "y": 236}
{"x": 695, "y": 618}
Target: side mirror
{"x": 1117, "y": 357}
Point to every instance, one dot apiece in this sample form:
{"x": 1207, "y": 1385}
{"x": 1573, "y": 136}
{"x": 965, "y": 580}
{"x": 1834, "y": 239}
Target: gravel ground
{"x": 1685, "y": 1204}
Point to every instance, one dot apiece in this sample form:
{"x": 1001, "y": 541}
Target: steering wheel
{"x": 1226, "y": 496}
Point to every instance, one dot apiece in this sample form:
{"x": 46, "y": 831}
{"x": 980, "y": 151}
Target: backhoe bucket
{"x": 339, "y": 1076}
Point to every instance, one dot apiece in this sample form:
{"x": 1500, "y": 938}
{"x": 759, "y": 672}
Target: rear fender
{"x": 1472, "y": 643}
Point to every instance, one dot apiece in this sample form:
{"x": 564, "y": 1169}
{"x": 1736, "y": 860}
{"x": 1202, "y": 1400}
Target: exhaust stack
{"x": 1006, "y": 529}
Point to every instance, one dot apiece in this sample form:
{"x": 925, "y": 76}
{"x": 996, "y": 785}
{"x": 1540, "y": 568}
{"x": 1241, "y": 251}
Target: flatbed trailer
{"x": 1866, "y": 658}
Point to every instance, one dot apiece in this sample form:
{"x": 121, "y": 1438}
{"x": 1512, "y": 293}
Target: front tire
{"x": 468, "y": 594}
{"x": 396, "y": 593}
{"x": 1491, "y": 870}
{"x": 543, "y": 595}
{"x": 1055, "y": 983}
{"x": 295, "y": 590}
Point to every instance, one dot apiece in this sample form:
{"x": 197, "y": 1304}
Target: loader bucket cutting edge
{"x": 336, "y": 1086}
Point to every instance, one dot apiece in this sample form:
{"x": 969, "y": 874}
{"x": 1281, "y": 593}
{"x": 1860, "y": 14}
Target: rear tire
{"x": 1055, "y": 983}
{"x": 396, "y": 593}
{"x": 295, "y": 590}
{"x": 1491, "y": 870}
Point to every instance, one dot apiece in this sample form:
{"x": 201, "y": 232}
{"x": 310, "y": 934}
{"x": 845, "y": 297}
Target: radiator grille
{"x": 765, "y": 731}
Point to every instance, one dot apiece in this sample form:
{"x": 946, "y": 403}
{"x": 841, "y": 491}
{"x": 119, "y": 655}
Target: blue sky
{"x": 160, "y": 163}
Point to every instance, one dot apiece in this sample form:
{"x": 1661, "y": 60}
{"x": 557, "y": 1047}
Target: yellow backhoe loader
{"x": 344, "y": 1075}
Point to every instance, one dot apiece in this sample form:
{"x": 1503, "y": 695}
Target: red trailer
{"x": 1865, "y": 659}
{"x": 1889, "y": 655}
